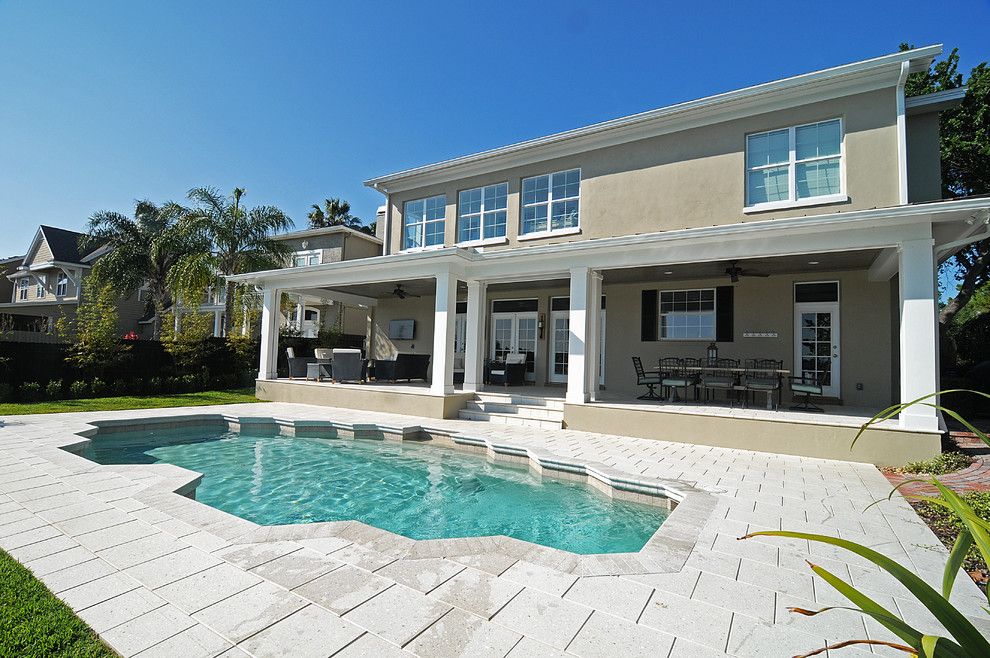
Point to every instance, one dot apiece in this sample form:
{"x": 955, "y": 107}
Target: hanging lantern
{"x": 712, "y": 354}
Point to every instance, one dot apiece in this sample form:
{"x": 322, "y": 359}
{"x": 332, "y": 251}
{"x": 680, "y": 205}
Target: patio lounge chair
{"x": 511, "y": 372}
{"x": 348, "y": 366}
{"x": 759, "y": 377}
{"x": 403, "y": 366}
{"x": 297, "y": 364}
{"x": 648, "y": 379}
{"x": 808, "y": 386}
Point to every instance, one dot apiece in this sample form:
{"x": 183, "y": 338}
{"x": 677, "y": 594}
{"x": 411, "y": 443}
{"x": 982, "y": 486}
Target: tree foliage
{"x": 335, "y": 212}
{"x": 964, "y": 142}
{"x": 97, "y": 346}
{"x": 141, "y": 251}
{"x": 226, "y": 238}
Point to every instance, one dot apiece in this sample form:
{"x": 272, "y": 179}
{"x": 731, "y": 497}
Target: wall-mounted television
{"x": 401, "y": 329}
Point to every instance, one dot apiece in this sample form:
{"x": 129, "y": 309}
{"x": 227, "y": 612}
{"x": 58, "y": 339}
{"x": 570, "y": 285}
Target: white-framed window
{"x": 303, "y": 258}
{"x": 423, "y": 222}
{"x": 795, "y": 166}
{"x": 144, "y": 294}
{"x": 550, "y": 202}
{"x": 687, "y": 314}
{"x": 481, "y": 213}
{"x": 22, "y": 288}
{"x": 42, "y": 282}
{"x": 61, "y": 285}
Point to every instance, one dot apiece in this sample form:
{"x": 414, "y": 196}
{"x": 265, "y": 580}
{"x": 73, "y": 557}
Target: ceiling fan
{"x": 402, "y": 294}
{"x": 733, "y": 271}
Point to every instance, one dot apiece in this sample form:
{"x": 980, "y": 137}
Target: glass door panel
{"x": 560, "y": 337}
{"x": 817, "y": 345}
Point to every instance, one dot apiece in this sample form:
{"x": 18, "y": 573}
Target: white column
{"x": 369, "y": 334}
{"x": 474, "y": 343}
{"x": 918, "y": 331}
{"x": 217, "y": 324}
{"x": 591, "y": 357}
{"x": 577, "y": 365}
{"x": 270, "y": 316}
{"x": 444, "y": 314}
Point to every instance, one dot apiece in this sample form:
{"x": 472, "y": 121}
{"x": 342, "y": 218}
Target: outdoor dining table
{"x": 737, "y": 387}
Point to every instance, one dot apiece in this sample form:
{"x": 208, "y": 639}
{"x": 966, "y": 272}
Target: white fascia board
{"x": 839, "y": 81}
{"x": 936, "y": 102}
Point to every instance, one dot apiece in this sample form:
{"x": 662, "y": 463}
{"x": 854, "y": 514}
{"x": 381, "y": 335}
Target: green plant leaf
{"x": 895, "y": 409}
{"x": 928, "y": 643}
{"x": 956, "y": 557}
{"x": 958, "y": 626}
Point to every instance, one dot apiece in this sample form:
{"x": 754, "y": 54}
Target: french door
{"x": 515, "y": 333}
{"x": 560, "y": 339}
{"x": 817, "y": 345}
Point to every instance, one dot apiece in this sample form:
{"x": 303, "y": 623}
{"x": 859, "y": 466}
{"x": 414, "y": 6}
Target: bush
{"x": 78, "y": 389}
{"x": 189, "y": 383}
{"x": 170, "y": 384}
{"x": 31, "y": 391}
{"x": 153, "y": 385}
{"x": 947, "y": 525}
{"x": 98, "y": 388}
{"x": 6, "y": 392}
{"x": 53, "y": 390}
{"x": 940, "y": 464}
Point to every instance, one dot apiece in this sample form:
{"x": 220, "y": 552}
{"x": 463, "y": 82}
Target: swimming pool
{"x": 413, "y": 489}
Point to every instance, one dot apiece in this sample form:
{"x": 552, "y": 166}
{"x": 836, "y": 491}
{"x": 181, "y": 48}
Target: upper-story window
{"x": 687, "y": 314}
{"x": 481, "y": 213}
{"x": 302, "y": 258}
{"x": 61, "y": 285}
{"x": 22, "y": 288}
{"x": 802, "y": 164}
{"x": 423, "y": 222}
{"x": 550, "y": 202}
{"x": 42, "y": 282}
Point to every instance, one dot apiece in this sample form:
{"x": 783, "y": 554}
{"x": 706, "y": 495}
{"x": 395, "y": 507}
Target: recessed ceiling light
{"x": 812, "y": 262}
{"x": 668, "y": 272}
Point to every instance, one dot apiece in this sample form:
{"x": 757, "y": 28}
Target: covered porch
{"x": 578, "y": 312}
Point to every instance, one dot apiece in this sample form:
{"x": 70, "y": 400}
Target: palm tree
{"x": 229, "y": 239}
{"x": 141, "y": 250}
{"x": 334, "y": 212}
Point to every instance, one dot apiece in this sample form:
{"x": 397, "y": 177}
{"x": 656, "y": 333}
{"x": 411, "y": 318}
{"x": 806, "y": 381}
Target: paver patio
{"x": 156, "y": 573}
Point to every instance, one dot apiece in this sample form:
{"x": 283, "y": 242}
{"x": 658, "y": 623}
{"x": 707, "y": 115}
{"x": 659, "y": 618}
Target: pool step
{"x": 509, "y": 409}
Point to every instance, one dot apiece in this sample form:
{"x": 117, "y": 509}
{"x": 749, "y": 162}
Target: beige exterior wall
{"x": 42, "y": 255}
{"x": 867, "y": 310}
{"x": 52, "y": 275}
{"x": 691, "y": 178}
{"x": 355, "y": 247}
{"x": 924, "y": 157}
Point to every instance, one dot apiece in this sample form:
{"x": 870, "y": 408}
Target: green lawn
{"x": 130, "y": 402}
{"x": 35, "y": 623}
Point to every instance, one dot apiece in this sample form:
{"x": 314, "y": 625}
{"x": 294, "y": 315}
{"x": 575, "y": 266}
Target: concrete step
{"x": 522, "y": 410}
{"x": 508, "y": 419}
{"x": 517, "y": 399}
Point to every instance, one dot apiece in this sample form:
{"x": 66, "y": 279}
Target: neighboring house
{"x": 798, "y": 220}
{"x": 8, "y": 266}
{"x": 46, "y": 284}
{"x": 313, "y": 311}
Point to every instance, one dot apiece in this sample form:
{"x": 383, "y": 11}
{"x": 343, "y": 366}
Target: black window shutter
{"x": 723, "y": 314}
{"x": 649, "y": 315}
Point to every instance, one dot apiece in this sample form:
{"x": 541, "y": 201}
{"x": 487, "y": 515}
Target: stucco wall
{"x": 760, "y": 305}
{"x": 692, "y": 178}
{"x": 924, "y": 157}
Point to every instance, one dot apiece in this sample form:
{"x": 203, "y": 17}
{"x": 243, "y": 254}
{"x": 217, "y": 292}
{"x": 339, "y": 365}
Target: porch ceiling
{"x": 821, "y": 262}
{"x": 415, "y": 288}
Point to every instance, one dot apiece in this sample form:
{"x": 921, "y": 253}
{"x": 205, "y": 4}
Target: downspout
{"x": 902, "y": 173}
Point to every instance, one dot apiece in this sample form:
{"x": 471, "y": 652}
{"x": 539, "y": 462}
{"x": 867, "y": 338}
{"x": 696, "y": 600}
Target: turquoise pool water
{"x": 419, "y": 491}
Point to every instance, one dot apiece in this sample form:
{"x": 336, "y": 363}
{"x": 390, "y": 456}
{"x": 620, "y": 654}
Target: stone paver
{"x": 157, "y": 574}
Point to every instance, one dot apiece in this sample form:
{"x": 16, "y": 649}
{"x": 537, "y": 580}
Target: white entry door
{"x": 310, "y": 327}
{"x": 515, "y": 333}
{"x": 560, "y": 340}
{"x": 816, "y": 344}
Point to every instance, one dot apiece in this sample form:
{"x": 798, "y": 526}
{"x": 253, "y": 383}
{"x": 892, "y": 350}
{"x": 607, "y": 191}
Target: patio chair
{"x": 297, "y": 364}
{"x": 403, "y": 366}
{"x": 323, "y": 368}
{"x": 808, "y": 386}
{"x": 348, "y": 366}
{"x": 511, "y": 372}
{"x": 673, "y": 376}
{"x": 720, "y": 378}
{"x": 648, "y": 379}
{"x": 759, "y": 376}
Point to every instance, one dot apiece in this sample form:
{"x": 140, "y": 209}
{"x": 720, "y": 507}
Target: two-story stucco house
{"x": 47, "y": 282}
{"x": 797, "y": 221}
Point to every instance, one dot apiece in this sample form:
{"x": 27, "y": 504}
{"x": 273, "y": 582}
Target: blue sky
{"x": 102, "y": 103}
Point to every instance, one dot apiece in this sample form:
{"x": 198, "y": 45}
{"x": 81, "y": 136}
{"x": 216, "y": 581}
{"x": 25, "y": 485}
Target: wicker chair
{"x": 648, "y": 379}
{"x": 759, "y": 376}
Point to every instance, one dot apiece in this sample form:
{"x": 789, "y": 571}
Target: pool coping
{"x": 171, "y": 489}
